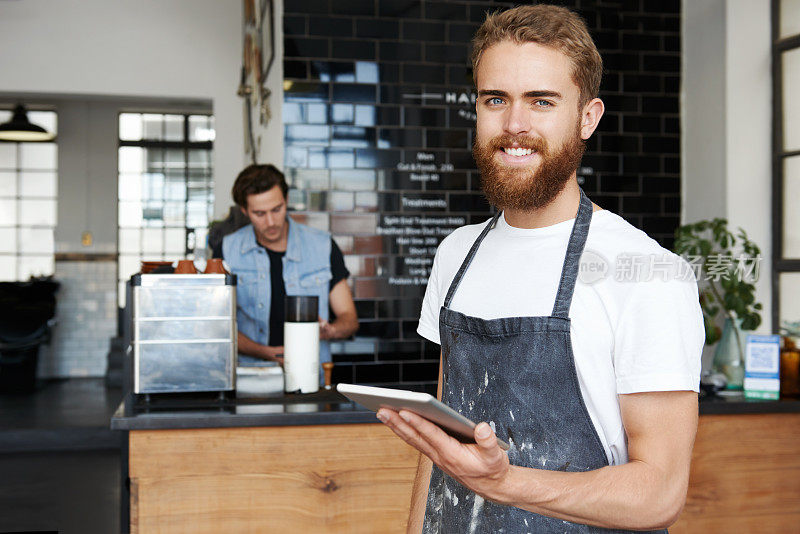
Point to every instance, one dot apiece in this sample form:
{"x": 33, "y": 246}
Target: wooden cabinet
{"x": 357, "y": 478}
{"x": 745, "y": 475}
{"x": 326, "y": 478}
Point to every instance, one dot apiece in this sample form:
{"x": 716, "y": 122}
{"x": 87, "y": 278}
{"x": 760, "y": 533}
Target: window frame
{"x": 18, "y": 198}
{"x": 185, "y": 146}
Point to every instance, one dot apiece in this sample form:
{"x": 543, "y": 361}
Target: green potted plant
{"x": 726, "y": 268}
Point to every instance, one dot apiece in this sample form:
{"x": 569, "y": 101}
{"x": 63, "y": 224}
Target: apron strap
{"x": 460, "y": 274}
{"x": 571, "y": 268}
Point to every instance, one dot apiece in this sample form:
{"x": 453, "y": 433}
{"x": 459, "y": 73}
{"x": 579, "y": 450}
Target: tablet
{"x": 421, "y": 404}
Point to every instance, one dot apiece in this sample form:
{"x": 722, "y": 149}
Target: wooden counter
{"x": 337, "y": 478}
{"x": 292, "y": 472}
{"x": 745, "y": 475}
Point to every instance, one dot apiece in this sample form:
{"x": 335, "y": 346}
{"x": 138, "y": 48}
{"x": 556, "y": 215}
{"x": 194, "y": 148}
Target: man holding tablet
{"x": 590, "y": 374}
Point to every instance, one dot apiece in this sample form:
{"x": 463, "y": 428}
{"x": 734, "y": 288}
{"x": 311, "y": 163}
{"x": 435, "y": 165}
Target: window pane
{"x": 200, "y": 178}
{"x": 8, "y": 155}
{"x": 8, "y": 240}
{"x": 130, "y": 127}
{"x": 38, "y": 184}
{"x": 8, "y": 184}
{"x": 790, "y": 18}
{"x": 791, "y": 215}
{"x": 131, "y": 159}
{"x": 152, "y": 240}
{"x": 200, "y": 194}
{"x": 8, "y": 212}
{"x": 791, "y": 104}
{"x": 130, "y": 187}
{"x": 8, "y": 268}
{"x": 36, "y": 241}
{"x": 153, "y": 213}
{"x": 130, "y": 214}
{"x": 32, "y": 266}
{"x": 174, "y": 159}
{"x": 38, "y": 156}
{"x": 175, "y": 188}
{"x": 153, "y": 186}
{"x": 201, "y": 128}
{"x": 175, "y": 241}
{"x": 196, "y": 214}
{"x": 129, "y": 240}
{"x": 173, "y": 127}
{"x": 175, "y": 214}
{"x": 151, "y": 127}
{"x": 200, "y": 159}
{"x": 789, "y": 287}
{"x": 37, "y": 212}
{"x": 154, "y": 158}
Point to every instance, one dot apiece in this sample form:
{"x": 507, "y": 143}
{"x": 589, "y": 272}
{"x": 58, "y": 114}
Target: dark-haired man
{"x": 274, "y": 256}
{"x": 589, "y": 372}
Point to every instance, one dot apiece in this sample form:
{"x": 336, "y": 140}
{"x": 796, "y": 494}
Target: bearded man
{"x": 590, "y": 375}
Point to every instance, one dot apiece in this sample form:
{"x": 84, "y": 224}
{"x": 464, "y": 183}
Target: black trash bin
{"x": 26, "y": 309}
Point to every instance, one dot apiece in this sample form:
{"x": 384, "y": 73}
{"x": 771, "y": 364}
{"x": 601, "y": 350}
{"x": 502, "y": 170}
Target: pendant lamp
{"x": 19, "y": 128}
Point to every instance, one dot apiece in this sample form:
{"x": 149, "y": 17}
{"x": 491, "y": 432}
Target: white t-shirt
{"x": 636, "y": 323}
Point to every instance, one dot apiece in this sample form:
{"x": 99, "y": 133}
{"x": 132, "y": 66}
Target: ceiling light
{"x": 19, "y": 128}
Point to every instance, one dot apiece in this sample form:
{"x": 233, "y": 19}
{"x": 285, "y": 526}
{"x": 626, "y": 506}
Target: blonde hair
{"x": 552, "y": 26}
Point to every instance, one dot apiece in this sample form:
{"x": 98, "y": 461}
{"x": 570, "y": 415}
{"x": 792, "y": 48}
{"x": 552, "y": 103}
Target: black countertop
{"x": 730, "y": 403}
{"x": 183, "y": 411}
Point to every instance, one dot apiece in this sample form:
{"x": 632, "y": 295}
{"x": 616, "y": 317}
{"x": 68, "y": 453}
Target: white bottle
{"x": 301, "y": 345}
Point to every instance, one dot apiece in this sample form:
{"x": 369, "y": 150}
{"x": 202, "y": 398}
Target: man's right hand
{"x": 273, "y": 354}
{"x": 250, "y": 348}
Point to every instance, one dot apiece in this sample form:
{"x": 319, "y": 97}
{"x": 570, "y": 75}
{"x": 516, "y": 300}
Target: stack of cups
{"x": 301, "y": 345}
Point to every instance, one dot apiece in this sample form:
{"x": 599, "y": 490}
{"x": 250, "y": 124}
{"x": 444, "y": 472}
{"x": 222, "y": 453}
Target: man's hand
{"x": 482, "y": 467}
{"x": 273, "y": 354}
{"x": 646, "y": 493}
{"x": 251, "y": 348}
{"x": 326, "y": 330}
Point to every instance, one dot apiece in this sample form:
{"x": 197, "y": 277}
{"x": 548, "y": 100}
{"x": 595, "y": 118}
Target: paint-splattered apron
{"x": 518, "y": 373}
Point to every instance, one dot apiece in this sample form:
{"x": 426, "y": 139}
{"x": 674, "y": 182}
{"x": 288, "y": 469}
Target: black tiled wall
{"x": 379, "y": 121}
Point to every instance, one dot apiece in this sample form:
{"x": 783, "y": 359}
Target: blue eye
{"x": 543, "y": 103}
{"x": 495, "y": 101}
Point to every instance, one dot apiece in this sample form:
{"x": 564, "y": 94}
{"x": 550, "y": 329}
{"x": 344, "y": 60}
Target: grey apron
{"x": 518, "y": 374}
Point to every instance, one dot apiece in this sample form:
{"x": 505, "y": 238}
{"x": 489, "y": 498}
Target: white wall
{"x": 176, "y": 49}
{"x": 726, "y": 116}
{"x": 748, "y": 135}
{"x": 703, "y": 116}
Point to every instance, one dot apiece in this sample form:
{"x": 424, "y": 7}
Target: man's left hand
{"x": 482, "y": 467}
{"x": 326, "y": 330}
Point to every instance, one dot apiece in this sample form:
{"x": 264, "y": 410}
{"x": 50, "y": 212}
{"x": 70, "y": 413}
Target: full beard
{"x": 523, "y": 188}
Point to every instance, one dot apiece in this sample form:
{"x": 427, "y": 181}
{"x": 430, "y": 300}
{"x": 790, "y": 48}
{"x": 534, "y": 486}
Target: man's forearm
{"x": 646, "y": 493}
{"x": 345, "y": 326}
{"x": 633, "y": 496}
{"x": 419, "y": 495}
{"x": 251, "y": 348}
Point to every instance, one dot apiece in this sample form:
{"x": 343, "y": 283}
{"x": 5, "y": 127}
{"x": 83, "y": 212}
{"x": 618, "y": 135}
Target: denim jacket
{"x": 306, "y": 271}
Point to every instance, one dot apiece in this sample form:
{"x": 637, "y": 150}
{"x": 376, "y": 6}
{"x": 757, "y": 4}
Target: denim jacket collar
{"x": 293, "y": 248}
{"x": 249, "y": 242}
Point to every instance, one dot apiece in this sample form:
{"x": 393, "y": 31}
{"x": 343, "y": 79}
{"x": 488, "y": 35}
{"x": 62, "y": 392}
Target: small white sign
{"x": 762, "y": 366}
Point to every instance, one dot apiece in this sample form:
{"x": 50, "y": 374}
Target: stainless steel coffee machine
{"x": 184, "y": 333}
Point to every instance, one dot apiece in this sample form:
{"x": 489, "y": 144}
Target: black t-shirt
{"x": 278, "y": 289}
